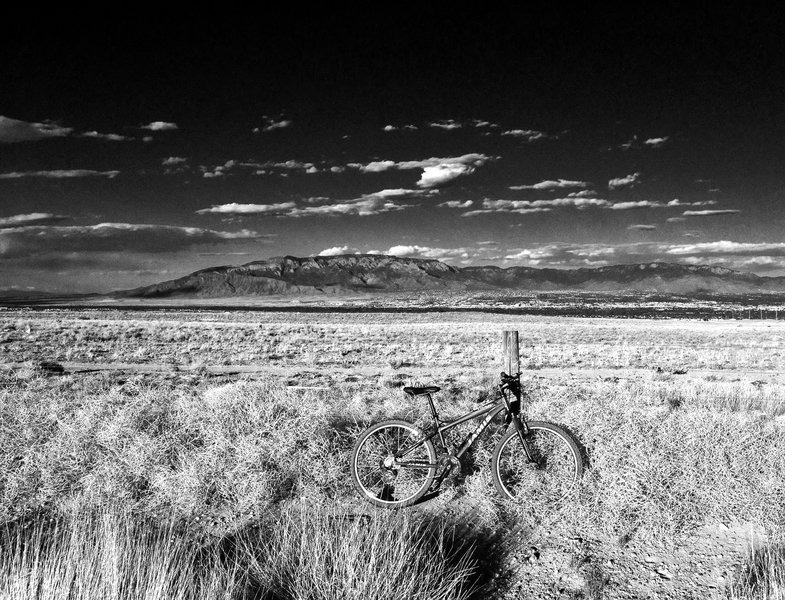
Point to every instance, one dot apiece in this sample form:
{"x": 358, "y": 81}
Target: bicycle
{"x": 394, "y": 463}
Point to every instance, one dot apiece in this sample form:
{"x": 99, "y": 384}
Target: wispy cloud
{"x": 110, "y": 137}
{"x": 583, "y": 201}
{"x": 729, "y": 254}
{"x": 248, "y": 209}
{"x": 656, "y": 142}
{"x": 110, "y": 237}
{"x": 338, "y": 250}
{"x": 535, "y": 206}
{"x": 527, "y": 135}
{"x": 643, "y": 227}
{"x": 652, "y": 142}
{"x": 160, "y": 126}
{"x": 271, "y": 124}
{"x": 552, "y": 184}
{"x": 384, "y": 201}
{"x": 626, "y": 181}
{"x": 632, "y": 205}
{"x": 447, "y": 124}
{"x": 457, "y": 204}
{"x": 710, "y": 213}
{"x": 389, "y": 128}
{"x": 175, "y": 164}
{"x": 29, "y": 219}
{"x": 14, "y": 130}
{"x": 463, "y": 255}
{"x": 59, "y": 174}
{"x": 280, "y": 168}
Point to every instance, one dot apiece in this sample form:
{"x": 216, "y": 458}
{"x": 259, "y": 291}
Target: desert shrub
{"x": 657, "y": 471}
{"x": 217, "y": 455}
{"x": 313, "y": 553}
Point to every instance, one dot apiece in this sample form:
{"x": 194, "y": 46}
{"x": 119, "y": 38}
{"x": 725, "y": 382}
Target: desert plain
{"x": 198, "y": 453}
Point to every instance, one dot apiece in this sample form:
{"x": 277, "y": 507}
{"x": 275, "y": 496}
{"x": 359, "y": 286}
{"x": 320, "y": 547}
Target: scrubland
{"x": 186, "y": 483}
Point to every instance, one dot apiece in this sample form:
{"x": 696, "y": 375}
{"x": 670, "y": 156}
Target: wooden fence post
{"x": 512, "y": 360}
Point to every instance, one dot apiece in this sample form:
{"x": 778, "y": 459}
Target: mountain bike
{"x": 394, "y": 463}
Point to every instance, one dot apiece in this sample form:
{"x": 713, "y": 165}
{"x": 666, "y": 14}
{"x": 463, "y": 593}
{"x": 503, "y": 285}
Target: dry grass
{"x": 220, "y": 457}
{"x": 300, "y": 553}
{"x": 449, "y": 341}
{"x": 216, "y": 461}
{"x": 763, "y": 577}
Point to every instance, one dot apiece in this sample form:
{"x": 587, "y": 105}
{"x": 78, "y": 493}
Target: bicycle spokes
{"x": 547, "y": 473}
{"x": 383, "y": 474}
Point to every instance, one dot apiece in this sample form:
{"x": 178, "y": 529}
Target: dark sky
{"x": 143, "y": 149}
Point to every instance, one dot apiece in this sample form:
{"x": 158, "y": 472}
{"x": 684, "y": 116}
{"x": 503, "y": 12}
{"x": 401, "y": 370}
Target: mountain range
{"x": 373, "y": 273}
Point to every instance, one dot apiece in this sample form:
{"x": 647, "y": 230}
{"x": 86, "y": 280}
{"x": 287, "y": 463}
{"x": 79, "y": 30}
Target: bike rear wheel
{"x": 558, "y": 464}
{"x": 384, "y": 477}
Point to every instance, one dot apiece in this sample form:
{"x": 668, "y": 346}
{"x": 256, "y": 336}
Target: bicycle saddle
{"x": 419, "y": 391}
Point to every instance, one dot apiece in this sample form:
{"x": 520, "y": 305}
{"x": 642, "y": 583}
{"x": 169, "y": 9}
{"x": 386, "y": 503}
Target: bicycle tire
{"x": 560, "y": 464}
{"x": 379, "y": 478}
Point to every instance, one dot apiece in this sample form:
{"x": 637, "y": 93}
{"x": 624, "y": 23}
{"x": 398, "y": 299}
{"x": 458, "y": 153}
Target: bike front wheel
{"x": 555, "y": 466}
{"x": 391, "y": 465}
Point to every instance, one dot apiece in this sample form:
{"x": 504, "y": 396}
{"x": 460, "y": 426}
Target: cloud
{"x": 338, "y": 250}
{"x": 709, "y": 213}
{"x": 13, "y": 130}
{"x": 636, "y": 204}
{"x": 31, "y": 219}
{"x": 389, "y": 128}
{"x": 579, "y": 200}
{"x": 447, "y": 124}
{"x": 653, "y": 142}
{"x": 729, "y": 248}
{"x": 481, "y": 124}
{"x": 175, "y": 164}
{"x": 436, "y": 172}
{"x": 550, "y": 184}
{"x": 248, "y": 209}
{"x": 111, "y": 137}
{"x": 536, "y": 206}
{"x": 642, "y": 227}
{"x": 656, "y": 142}
{"x": 626, "y": 181}
{"x": 729, "y": 254}
{"x": 528, "y": 135}
{"x": 427, "y": 252}
{"x": 384, "y": 201}
{"x": 376, "y": 166}
{"x": 60, "y": 174}
{"x": 160, "y": 126}
{"x": 457, "y": 204}
{"x": 272, "y": 124}
{"x": 442, "y": 174}
{"x": 110, "y": 237}
{"x": 440, "y": 171}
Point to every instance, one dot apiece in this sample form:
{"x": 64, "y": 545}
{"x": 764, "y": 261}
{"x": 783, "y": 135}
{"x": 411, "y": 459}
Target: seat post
{"x": 436, "y": 419}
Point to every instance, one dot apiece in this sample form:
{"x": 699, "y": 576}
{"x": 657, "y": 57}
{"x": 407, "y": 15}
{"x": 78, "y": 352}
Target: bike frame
{"x": 490, "y": 410}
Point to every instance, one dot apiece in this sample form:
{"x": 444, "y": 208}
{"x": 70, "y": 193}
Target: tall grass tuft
{"x": 114, "y": 554}
{"x": 764, "y": 575}
{"x": 108, "y": 555}
{"x": 326, "y": 555}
